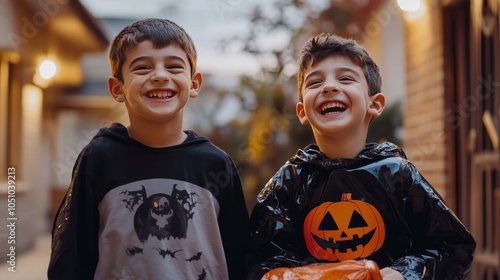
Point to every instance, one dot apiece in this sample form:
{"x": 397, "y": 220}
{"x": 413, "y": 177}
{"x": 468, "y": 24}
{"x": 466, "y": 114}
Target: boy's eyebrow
{"x": 340, "y": 69}
{"x": 312, "y": 73}
{"x": 140, "y": 58}
{"x": 349, "y": 69}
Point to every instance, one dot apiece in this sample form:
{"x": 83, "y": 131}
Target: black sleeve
{"x": 442, "y": 247}
{"x": 74, "y": 234}
{"x": 233, "y": 221}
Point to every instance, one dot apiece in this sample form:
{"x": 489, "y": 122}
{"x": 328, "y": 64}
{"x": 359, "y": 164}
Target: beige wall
{"x": 424, "y": 109}
{"x": 383, "y": 37}
{"x": 6, "y": 24}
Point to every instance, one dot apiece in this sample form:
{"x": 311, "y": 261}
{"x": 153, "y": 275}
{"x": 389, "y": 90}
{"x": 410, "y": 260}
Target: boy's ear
{"x": 196, "y": 82}
{"x": 301, "y": 113}
{"x": 377, "y": 105}
{"x": 115, "y": 89}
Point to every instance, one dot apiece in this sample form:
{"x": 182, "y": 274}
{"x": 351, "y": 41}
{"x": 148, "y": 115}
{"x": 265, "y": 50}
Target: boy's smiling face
{"x": 335, "y": 98}
{"x": 157, "y": 83}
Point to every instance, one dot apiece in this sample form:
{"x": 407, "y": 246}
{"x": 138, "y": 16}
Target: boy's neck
{"x": 157, "y": 135}
{"x": 341, "y": 147}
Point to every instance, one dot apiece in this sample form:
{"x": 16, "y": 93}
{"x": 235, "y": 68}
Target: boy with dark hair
{"x": 342, "y": 199}
{"x": 151, "y": 201}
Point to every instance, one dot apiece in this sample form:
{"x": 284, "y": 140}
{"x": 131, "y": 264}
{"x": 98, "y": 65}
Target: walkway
{"x": 30, "y": 265}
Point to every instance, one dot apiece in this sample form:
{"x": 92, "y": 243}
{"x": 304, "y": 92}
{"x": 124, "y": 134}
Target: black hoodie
{"x": 136, "y": 212}
{"x": 375, "y": 206}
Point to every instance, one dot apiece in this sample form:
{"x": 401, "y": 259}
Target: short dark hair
{"x": 161, "y": 32}
{"x": 325, "y": 45}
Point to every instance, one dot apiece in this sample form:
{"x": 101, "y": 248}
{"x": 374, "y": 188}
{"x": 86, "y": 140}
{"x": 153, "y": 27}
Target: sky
{"x": 206, "y": 21}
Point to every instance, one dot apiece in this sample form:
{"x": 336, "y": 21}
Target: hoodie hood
{"x": 372, "y": 151}
{"x": 119, "y": 133}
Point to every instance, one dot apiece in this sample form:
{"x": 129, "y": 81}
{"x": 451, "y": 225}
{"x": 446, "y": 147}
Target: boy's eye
{"x": 141, "y": 68}
{"x": 175, "y": 66}
{"x": 347, "y": 78}
{"x": 313, "y": 83}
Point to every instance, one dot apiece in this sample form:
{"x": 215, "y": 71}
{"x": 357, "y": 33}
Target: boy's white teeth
{"x": 160, "y": 94}
{"x": 333, "y": 107}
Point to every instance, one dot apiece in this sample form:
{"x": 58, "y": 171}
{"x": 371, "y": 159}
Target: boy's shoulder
{"x": 385, "y": 149}
{"x": 205, "y": 146}
{"x": 371, "y": 152}
{"x": 105, "y": 136}
{"x": 386, "y": 153}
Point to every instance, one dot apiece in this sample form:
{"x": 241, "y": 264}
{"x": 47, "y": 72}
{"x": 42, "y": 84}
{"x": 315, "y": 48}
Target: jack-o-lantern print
{"x": 343, "y": 230}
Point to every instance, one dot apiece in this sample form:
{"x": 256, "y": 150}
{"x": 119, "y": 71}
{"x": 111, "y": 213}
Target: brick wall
{"x": 423, "y": 113}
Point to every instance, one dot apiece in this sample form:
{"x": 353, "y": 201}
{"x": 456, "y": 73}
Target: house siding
{"x": 423, "y": 123}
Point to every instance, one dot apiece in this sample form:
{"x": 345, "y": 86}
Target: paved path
{"x": 31, "y": 265}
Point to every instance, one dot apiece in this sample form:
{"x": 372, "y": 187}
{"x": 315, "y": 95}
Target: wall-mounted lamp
{"x": 47, "y": 69}
{"x": 409, "y": 5}
{"x": 45, "y": 73}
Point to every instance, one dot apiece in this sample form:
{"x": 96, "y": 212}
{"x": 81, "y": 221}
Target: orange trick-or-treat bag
{"x": 345, "y": 270}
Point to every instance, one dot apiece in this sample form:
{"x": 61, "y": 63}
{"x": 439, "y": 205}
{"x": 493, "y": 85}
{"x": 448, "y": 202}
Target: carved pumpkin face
{"x": 344, "y": 230}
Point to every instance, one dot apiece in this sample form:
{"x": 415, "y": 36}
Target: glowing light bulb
{"x": 409, "y": 5}
{"x": 47, "y": 69}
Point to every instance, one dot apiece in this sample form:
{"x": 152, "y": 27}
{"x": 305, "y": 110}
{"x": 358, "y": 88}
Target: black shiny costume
{"x": 422, "y": 238}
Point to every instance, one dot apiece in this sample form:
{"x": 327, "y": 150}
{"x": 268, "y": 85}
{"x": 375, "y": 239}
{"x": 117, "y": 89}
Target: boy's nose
{"x": 159, "y": 75}
{"x": 330, "y": 88}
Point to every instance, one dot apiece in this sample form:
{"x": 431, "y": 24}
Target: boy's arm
{"x": 74, "y": 234}
{"x": 233, "y": 223}
{"x": 442, "y": 247}
{"x": 273, "y": 235}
